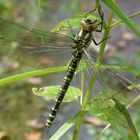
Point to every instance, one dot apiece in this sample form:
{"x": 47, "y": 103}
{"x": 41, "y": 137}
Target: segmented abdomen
{"x": 63, "y": 89}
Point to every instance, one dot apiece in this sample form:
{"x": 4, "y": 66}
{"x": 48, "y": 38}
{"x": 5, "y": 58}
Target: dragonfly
{"x": 38, "y": 44}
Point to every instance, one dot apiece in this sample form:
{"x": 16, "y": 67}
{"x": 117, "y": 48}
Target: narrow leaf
{"x": 122, "y": 16}
{"x": 64, "y": 128}
{"x": 17, "y": 77}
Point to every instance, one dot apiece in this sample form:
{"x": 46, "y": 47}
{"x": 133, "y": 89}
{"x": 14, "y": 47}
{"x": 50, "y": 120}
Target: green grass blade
{"x": 17, "y": 77}
{"x": 122, "y": 16}
{"x": 64, "y": 128}
{"x": 39, "y": 25}
{"x": 117, "y": 22}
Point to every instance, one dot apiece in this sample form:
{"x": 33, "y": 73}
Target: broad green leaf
{"x": 52, "y": 91}
{"x": 74, "y": 21}
{"x": 65, "y": 127}
{"x": 104, "y": 107}
{"x": 115, "y": 113}
{"x": 101, "y": 108}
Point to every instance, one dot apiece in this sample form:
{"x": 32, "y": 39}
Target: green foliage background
{"x": 18, "y": 104}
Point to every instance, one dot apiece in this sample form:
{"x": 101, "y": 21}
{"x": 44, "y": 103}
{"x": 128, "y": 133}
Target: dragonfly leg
{"x": 99, "y": 11}
{"x": 101, "y": 14}
{"x": 97, "y": 43}
{"x": 90, "y": 12}
{"x": 100, "y": 30}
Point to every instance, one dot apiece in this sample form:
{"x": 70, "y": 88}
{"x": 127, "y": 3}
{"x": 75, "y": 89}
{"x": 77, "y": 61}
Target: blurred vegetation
{"x": 17, "y": 102}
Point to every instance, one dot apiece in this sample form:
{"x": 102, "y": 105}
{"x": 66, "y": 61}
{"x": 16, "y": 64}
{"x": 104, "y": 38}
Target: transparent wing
{"x": 111, "y": 90}
{"x": 33, "y": 47}
{"x": 108, "y": 77}
{"x": 32, "y": 37}
{"x": 110, "y": 94}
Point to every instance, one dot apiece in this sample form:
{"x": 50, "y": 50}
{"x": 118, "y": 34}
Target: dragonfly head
{"x": 90, "y": 24}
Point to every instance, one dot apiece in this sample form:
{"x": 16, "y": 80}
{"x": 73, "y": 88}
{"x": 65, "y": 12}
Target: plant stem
{"x": 120, "y": 21}
{"x": 92, "y": 81}
{"x": 111, "y": 4}
{"x": 39, "y": 24}
{"x": 132, "y": 133}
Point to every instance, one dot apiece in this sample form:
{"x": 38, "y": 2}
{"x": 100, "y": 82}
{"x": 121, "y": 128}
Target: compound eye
{"x": 88, "y": 21}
